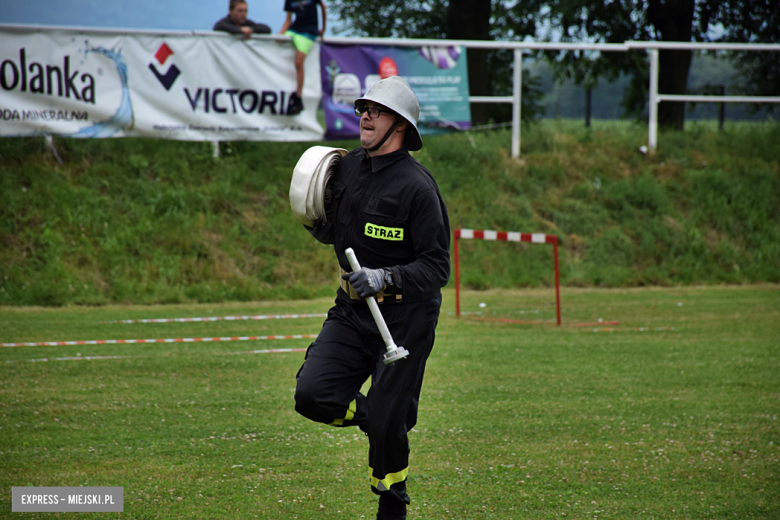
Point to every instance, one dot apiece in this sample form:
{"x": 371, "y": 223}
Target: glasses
{"x": 373, "y": 112}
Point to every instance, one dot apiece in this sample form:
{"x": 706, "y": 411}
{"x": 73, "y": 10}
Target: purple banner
{"x": 438, "y": 76}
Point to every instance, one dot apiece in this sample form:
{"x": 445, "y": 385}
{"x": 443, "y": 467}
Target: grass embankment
{"x": 516, "y": 421}
{"x": 135, "y": 220}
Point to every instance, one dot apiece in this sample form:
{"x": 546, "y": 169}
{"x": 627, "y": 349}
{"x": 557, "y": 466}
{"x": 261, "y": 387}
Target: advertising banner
{"x": 176, "y": 86}
{"x": 438, "y": 75}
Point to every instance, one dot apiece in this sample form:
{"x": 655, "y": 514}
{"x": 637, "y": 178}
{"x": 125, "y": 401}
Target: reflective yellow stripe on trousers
{"x": 389, "y": 480}
{"x": 350, "y": 414}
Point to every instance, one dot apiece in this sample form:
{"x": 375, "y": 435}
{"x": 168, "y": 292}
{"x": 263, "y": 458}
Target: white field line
{"x": 167, "y": 340}
{"x": 223, "y": 318}
{"x": 633, "y": 329}
{"x": 93, "y": 358}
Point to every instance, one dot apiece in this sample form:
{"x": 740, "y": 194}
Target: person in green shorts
{"x": 303, "y": 31}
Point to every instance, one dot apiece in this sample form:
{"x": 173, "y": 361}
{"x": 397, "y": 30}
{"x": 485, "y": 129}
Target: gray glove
{"x": 367, "y": 282}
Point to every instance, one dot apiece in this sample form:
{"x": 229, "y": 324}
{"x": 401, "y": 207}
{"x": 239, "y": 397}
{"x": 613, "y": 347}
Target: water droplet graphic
{"x": 123, "y": 118}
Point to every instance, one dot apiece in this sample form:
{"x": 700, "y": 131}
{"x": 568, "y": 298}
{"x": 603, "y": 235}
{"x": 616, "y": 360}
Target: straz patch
{"x": 384, "y": 233}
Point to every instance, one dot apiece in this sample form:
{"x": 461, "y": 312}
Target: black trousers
{"x": 346, "y": 353}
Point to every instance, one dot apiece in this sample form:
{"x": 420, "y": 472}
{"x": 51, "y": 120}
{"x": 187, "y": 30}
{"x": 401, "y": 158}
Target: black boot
{"x": 390, "y": 508}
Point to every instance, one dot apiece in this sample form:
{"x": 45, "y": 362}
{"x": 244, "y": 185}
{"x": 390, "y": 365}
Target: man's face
{"x": 238, "y": 13}
{"x": 373, "y": 130}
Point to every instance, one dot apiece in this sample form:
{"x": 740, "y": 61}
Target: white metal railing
{"x": 517, "y": 79}
{"x": 651, "y": 47}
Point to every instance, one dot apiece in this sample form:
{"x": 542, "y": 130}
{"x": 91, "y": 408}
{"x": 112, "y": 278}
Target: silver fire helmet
{"x": 396, "y": 94}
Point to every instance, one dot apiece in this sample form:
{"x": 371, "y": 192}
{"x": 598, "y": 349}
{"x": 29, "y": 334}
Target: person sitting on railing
{"x": 236, "y": 21}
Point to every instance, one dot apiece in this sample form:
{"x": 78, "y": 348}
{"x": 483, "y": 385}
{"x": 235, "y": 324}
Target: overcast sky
{"x": 139, "y": 14}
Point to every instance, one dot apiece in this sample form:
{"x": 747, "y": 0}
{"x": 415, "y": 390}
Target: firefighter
{"x": 387, "y": 207}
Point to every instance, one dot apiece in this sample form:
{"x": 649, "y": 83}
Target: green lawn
{"x": 516, "y": 420}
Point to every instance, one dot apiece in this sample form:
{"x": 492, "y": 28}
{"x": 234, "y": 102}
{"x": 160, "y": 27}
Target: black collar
{"x": 379, "y": 162}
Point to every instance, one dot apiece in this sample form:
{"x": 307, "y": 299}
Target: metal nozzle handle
{"x": 394, "y": 353}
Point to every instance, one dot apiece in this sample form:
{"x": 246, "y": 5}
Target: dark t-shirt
{"x": 306, "y": 20}
{"x": 228, "y": 25}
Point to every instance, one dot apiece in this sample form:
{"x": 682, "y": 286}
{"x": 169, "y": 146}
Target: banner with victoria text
{"x": 76, "y": 83}
{"x": 438, "y": 75}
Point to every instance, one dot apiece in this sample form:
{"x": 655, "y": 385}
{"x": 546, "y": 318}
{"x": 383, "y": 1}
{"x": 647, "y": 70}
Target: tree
{"x": 606, "y": 21}
{"x": 620, "y": 21}
{"x": 489, "y": 71}
{"x": 754, "y": 21}
{"x": 617, "y": 21}
{"x": 470, "y": 20}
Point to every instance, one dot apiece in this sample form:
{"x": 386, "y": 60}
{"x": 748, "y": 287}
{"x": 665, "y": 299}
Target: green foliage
{"x": 490, "y": 72}
{"x": 147, "y": 221}
{"x": 168, "y": 224}
{"x": 625, "y": 219}
{"x": 753, "y": 21}
{"x": 756, "y": 21}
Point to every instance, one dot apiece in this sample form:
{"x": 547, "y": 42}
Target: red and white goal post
{"x": 508, "y": 236}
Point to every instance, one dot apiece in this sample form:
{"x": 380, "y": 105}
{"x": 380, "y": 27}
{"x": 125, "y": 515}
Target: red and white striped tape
{"x": 224, "y": 318}
{"x": 267, "y": 351}
{"x": 596, "y": 324}
{"x": 634, "y": 329}
{"x": 168, "y": 340}
{"x": 72, "y": 358}
{"x": 506, "y": 320}
{"x": 94, "y": 358}
{"x": 509, "y": 236}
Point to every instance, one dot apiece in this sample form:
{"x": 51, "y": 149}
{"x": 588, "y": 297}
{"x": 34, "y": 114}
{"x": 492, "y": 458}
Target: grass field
{"x": 516, "y": 421}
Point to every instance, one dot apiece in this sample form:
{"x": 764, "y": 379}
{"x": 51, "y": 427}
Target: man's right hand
{"x": 246, "y": 32}
{"x": 367, "y": 282}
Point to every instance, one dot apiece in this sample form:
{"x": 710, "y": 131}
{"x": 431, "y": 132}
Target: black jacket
{"x": 228, "y": 25}
{"x": 388, "y": 208}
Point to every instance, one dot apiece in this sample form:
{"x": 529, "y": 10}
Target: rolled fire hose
{"x": 309, "y": 190}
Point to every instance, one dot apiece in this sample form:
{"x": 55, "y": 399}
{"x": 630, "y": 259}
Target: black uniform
{"x": 389, "y": 210}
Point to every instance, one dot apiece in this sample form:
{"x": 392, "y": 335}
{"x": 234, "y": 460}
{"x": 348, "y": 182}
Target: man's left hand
{"x": 367, "y": 282}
